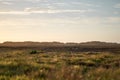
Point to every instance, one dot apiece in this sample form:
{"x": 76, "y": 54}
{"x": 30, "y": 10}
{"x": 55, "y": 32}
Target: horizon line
{"x": 62, "y": 41}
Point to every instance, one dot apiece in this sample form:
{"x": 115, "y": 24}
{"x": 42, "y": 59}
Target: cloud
{"x": 6, "y": 3}
{"x": 85, "y": 4}
{"x": 26, "y": 0}
{"x": 14, "y": 13}
{"x": 117, "y": 5}
{"x": 28, "y": 11}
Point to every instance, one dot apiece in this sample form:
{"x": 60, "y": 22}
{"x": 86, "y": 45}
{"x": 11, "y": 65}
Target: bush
{"x": 33, "y": 52}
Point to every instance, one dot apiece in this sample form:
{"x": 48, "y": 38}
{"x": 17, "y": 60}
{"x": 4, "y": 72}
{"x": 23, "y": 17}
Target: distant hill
{"x": 93, "y": 46}
{"x": 30, "y": 44}
{"x": 40, "y": 44}
{"x": 99, "y": 44}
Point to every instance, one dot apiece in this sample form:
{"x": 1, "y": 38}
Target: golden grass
{"x": 21, "y": 65}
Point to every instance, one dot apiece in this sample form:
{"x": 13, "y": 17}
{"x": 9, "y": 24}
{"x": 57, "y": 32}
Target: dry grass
{"x": 21, "y": 65}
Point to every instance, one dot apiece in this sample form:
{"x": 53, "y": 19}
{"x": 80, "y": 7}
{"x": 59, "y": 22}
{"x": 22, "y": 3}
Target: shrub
{"x": 33, "y": 52}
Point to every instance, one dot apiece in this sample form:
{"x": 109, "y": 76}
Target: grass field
{"x": 22, "y": 65}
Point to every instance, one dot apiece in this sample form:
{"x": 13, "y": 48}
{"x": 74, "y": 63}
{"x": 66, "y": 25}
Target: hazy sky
{"x": 60, "y": 20}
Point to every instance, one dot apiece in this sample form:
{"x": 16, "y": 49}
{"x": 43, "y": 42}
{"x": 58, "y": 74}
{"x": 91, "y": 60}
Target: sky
{"x": 60, "y": 20}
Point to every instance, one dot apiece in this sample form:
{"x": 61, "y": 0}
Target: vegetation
{"x": 21, "y": 65}
{"x": 59, "y": 61}
{"x": 33, "y": 52}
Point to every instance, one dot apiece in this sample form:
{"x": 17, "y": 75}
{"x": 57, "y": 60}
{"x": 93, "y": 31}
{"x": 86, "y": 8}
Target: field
{"x": 28, "y": 64}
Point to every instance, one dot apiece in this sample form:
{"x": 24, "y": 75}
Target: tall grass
{"x": 21, "y": 65}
